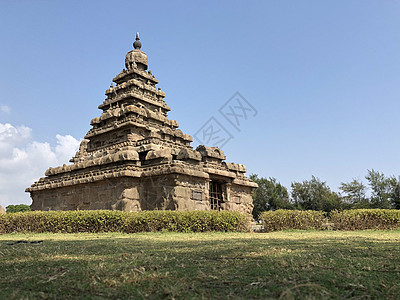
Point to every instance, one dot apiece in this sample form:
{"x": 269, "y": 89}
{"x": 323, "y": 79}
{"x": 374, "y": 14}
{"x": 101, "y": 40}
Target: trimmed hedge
{"x": 354, "y": 219}
{"x": 292, "y": 219}
{"x": 359, "y": 219}
{"x": 194, "y": 221}
{"x": 119, "y": 221}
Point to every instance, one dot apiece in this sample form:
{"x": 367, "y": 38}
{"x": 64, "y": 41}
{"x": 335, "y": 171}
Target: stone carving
{"x": 135, "y": 158}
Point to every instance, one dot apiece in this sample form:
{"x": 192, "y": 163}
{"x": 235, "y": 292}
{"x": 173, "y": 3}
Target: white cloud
{"x": 23, "y": 161}
{"x": 6, "y": 109}
{"x": 66, "y": 147}
{"x": 11, "y": 137}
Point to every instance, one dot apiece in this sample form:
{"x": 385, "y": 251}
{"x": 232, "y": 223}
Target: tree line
{"x": 17, "y": 208}
{"x": 380, "y": 192}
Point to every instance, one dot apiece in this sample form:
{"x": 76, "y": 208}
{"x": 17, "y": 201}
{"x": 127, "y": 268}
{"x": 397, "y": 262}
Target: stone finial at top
{"x": 137, "y": 44}
{"x": 136, "y": 58}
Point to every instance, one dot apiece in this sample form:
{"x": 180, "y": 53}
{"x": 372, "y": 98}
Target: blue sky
{"x": 322, "y": 75}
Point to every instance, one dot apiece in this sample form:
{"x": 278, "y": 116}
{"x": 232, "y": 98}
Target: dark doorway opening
{"x": 142, "y": 155}
{"x": 216, "y": 197}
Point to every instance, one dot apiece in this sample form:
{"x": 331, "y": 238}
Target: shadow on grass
{"x": 186, "y": 266}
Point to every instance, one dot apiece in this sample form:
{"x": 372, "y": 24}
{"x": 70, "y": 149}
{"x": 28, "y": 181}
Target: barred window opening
{"x": 216, "y": 198}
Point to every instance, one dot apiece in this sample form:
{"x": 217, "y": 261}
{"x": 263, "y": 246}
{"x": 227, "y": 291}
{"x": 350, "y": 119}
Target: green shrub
{"x": 119, "y": 221}
{"x": 292, "y": 219}
{"x": 359, "y": 219}
{"x": 353, "y": 219}
{"x": 17, "y": 208}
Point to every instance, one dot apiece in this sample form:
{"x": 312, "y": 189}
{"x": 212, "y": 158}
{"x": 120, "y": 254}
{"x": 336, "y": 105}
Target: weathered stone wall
{"x": 239, "y": 198}
{"x": 191, "y": 193}
{"x": 157, "y": 192}
{"x": 115, "y": 193}
{"x": 164, "y": 192}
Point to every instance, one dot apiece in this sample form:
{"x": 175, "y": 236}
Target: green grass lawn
{"x": 286, "y": 265}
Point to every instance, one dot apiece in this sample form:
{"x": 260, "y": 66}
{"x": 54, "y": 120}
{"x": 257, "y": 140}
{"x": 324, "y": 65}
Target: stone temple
{"x": 134, "y": 158}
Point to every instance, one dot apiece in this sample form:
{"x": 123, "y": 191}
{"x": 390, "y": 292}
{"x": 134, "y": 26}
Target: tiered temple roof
{"x": 136, "y": 158}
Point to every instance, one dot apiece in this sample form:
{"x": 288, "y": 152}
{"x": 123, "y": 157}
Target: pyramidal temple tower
{"x": 135, "y": 158}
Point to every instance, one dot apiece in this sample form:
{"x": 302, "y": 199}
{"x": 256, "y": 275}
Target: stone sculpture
{"x": 135, "y": 158}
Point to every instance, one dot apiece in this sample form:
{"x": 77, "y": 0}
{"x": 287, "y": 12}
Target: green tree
{"x": 382, "y": 188}
{"x": 395, "y": 194}
{"x": 355, "y": 194}
{"x": 315, "y": 194}
{"x": 270, "y": 195}
{"x": 17, "y": 208}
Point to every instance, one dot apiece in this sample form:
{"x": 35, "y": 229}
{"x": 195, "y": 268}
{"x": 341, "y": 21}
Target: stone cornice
{"x": 124, "y": 73}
